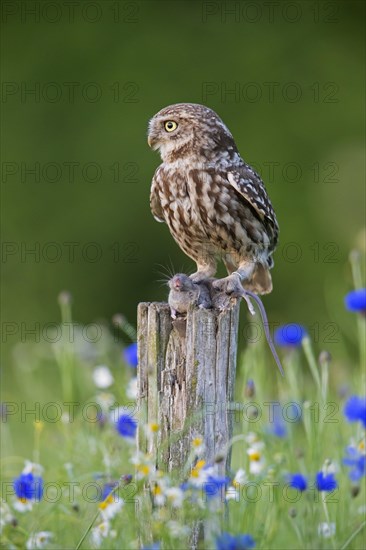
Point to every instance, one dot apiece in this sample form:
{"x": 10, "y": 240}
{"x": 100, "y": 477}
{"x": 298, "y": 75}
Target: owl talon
{"x": 199, "y": 277}
{"x": 230, "y": 285}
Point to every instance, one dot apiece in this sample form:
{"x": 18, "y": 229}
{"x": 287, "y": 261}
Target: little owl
{"x": 215, "y": 205}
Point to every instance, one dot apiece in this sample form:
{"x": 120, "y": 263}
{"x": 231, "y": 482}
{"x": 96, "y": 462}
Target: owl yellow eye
{"x": 170, "y": 125}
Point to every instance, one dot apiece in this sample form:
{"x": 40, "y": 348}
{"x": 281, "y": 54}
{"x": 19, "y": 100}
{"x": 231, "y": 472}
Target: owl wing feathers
{"x": 247, "y": 184}
{"x": 250, "y": 186}
{"x": 155, "y": 204}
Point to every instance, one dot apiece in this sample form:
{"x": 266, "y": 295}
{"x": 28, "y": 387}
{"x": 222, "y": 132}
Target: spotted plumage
{"x": 214, "y": 204}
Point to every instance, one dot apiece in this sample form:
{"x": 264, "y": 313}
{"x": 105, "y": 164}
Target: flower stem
{"x": 38, "y": 427}
{"x": 327, "y": 519}
{"x": 120, "y": 322}
{"x": 66, "y": 360}
{"x": 87, "y": 531}
{"x": 355, "y": 262}
{"x": 354, "y": 534}
{"x": 298, "y": 534}
{"x": 354, "y": 259}
{"x": 309, "y": 354}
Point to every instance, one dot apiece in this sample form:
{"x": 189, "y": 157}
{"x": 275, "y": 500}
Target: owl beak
{"x": 151, "y": 140}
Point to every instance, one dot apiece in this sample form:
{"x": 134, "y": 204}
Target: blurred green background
{"x": 99, "y": 72}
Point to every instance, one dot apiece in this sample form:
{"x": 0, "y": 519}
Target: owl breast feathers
{"x": 215, "y": 205}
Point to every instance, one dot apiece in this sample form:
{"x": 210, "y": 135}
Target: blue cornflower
{"x": 277, "y": 425}
{"x": 126, "y": 426}
{"x": 357, "y": 462}
{"x": 130, "y": 355}
{"x": 298, "y": 481}
{"x": 107, "y": 489}
{"x": 153, "y": 546}
{"x": 292, "y": 412}
{"x": 28, "y": 487}
{"x": 226, "y": 541}
{"x": 289, "y": 335}
{"x": 278, "y": 429}
{"x": 213, "y": 485}
{"x": 325, "y": 482}
{"x": 356, "y": 300}
{"x": 355, "y": 409}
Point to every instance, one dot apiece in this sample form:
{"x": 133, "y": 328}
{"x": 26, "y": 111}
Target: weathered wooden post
{"x": 186, "y": 379}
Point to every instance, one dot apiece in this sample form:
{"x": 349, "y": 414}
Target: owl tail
{"x": 261, "y": 280}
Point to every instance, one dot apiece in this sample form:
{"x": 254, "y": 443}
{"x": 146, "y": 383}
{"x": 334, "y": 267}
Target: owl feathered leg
{"x": 258, "y": 280}
{"x": 205, "y": 270}
{"x": 261, "y": 281}
{"x": 233, "y": 284}
{"x": 229, "y": 264}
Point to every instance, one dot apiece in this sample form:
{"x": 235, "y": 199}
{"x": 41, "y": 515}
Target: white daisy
{"x": 175, "y": 496}
{"x": 102, "y": 377}
{"x": 256, "y": 460}
{"x": 99, "y": 533}
{"x": 131, "y": 390}
{"x": 326, "y": 530}
{"x": 39, "y": 540}
{"x": 110, "y": 507}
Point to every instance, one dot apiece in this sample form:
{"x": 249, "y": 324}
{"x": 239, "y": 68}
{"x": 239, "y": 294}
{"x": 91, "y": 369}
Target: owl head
{"x": 189, "y": 130}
